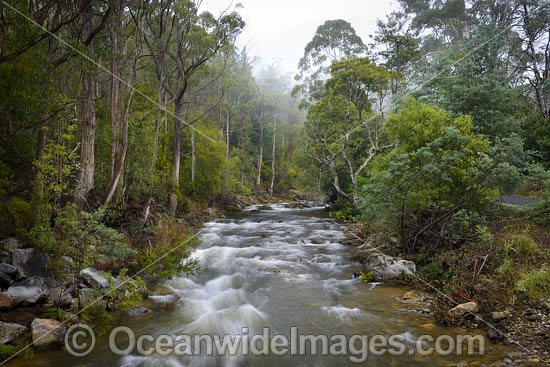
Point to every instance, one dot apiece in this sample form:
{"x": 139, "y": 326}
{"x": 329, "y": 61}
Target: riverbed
{"x": 276, "y": 269}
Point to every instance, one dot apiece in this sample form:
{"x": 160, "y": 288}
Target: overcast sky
{"x": 278, "y": 30}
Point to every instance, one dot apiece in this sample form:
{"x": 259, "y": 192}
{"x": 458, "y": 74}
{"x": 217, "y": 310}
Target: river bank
{"x": 41, "y": 298}
{"x": 524, "y": 328}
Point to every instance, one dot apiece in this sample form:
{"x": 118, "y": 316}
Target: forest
{"x": 125, "y": 124}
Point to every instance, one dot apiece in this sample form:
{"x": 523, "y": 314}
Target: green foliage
{"x": 535, "y": 284}
{"x": 125, "y": 293}
{"x": 83, "y": 237}
{"x": 479, "y": 84}
{"x": 334, "y": 40}
{"x": 210, "y": 163}
{"x": 170, "y": 257}
{"x": 537, "y": 180}
{"x": 343, "y": 214}
{"x": 342, "y": 132}
{"x": 506, "y": 177}
{"x": 400, "y": 50}
{"x": 521, "y": 247}
{"x": 366, "y": 277}
{"x": 55, "y": 313}
{"x": 97, "y": 316}
{"x": 437, "y": 171}
{"x": 16, "y": 215}
{"x": 7, "y": 351}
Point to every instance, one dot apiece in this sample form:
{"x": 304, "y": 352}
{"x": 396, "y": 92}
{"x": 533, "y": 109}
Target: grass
{"x": 535, "y": 284}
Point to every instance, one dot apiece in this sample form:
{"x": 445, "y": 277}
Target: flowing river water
{"x": 275, "y": 268}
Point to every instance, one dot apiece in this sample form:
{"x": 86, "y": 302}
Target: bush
{"x": 505, "y": 177}
{"x": 537, "y": 180}
{"x": 170, "y": 256}
{"x": 55, "y": 313}
{"x": 82, "y": 237}
{"x": 126, "y": 295}
{"x": 7, "y": 351}
{"x": 16, "y": 215}
{"x": 434, "y": 178}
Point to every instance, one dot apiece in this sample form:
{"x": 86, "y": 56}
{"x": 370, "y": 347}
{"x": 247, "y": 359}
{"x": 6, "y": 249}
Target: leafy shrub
{"x": 83, "y": 238}
{"x": 170, "y": 256}
{"x": 537, "y": 180}
{"x": 438, "y": 169}
{"x": 55, "y": 313}
{"x": 7, "y": 351}
{"x": 126, "y": 293}
{"x": 344, "y": 214}
{"x": 16, "y": 214}
{"x": 506, "y": 177}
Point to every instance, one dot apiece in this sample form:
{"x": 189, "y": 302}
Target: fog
{"x": 278, "y": 31}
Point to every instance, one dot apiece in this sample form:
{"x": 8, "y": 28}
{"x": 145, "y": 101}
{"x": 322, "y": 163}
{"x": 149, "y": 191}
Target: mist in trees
{"x": 148, "y": 105}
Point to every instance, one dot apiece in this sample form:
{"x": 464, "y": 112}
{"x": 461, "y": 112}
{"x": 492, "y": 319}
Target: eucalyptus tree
{"x": 94, "y": 17}
{"x": 343, "y": 134}
{"x": 397, "y": 47}
{"x": 197, "y": 38}
{"x": 126, "y": 36}
{"x": 333, "y": 41}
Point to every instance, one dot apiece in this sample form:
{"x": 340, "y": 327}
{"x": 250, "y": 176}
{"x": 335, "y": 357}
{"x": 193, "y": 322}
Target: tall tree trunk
{"x": 88, "y": 124}
{"x": 243, "y": 150}
{"x": 116, "y": 74}
{"x": 116, "y": 96}
{"x": 176, "y": 152}
{"x": 261, "y": 151}
{"x": 273, "y": 158}
{"x": 227, "y": 134}
{"x": 149, "y": 200}
{"x": 193, "y": 155}
{"x": 41, "y": 146}
{"x": 120, "y": 128}
{"x": 39, "y": 176}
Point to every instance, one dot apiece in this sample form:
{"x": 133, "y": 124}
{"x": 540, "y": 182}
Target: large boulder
{"x": 7, "y": 247}
{"x": 10, "y": 245}
{"x": 9, "y": 331}
{"x": 47, "y": 333}
{"x": 95, "y": 278}
{"x": 31, "y": 262}
{"x": 29, "y": 291}
{"x": 463, "y": 309}
{"x": 384, "y": 267}
{"x": 9, "y": 270}
{"x": 139, "y": 311}
{"x": 59, "y": 297}
{"x": 87, "y": 295}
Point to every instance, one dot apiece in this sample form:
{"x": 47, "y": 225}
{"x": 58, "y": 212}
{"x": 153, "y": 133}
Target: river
{"x": 275, "y": 268}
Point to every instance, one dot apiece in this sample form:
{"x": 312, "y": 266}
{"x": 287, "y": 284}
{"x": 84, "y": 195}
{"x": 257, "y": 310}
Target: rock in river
{"x": 6, "y": 302}
{"x": 31, "y": 262}
{"x": 95, "y": 278}
{"x": 9, "y": 331}
{"x": 47, "y": 332}
{"x": 384, "y": 267}
{"x": 463, "y": 309}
